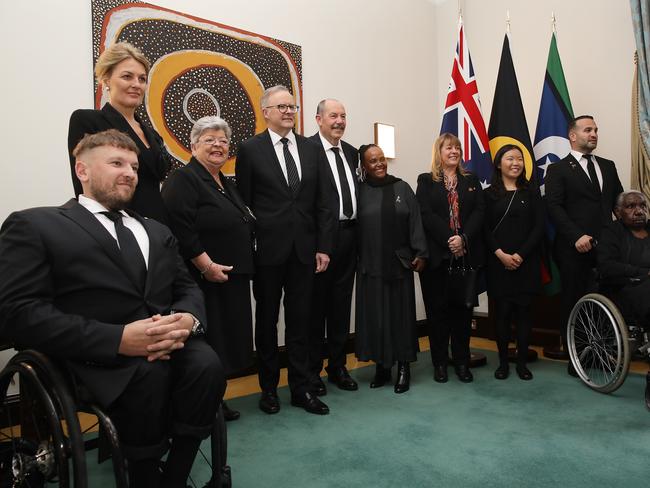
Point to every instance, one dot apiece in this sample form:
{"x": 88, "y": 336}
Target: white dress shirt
{"x": 96, "y": 208}
{"x": 279, "y": 151}
{"x": 331, "y": 158}
{"x": 580, "y": 157}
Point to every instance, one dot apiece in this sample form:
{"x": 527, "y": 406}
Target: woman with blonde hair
{"x": 451, "y": 202}
{"x": 123, "y": 70}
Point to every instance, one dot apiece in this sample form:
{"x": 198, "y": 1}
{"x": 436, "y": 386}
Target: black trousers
{"x": 508, "y": 311}
{"x": 167, "y": 399}
{"x": 578, "y": 279}
{"x": 446, "y": 320}
{"x": 331, "y": 303}
{"x": 296, "y": 280}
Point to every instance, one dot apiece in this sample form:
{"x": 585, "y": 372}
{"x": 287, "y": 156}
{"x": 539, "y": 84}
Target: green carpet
{"x": 549, "y": 431}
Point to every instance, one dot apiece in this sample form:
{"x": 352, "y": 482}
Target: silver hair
{"x": 211, "y": 122}
{"x": 621, "y": 197}
{"x": 270, "y": 91}
{"x": 321, "y": 105}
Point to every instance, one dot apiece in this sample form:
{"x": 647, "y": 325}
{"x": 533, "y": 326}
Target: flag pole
{"x": 507, "y": 21}
{"x": 553, "y": 23}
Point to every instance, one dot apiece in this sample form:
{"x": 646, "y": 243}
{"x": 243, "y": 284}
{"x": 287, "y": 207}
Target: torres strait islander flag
{"x": 462, "y": 116}
{"x": 551, "y": 142}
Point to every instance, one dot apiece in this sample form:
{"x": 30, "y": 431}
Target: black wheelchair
{"x": 601, "y": 342}
{"x": 41, "y": 440}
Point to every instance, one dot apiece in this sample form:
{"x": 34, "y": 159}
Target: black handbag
{"x": 462, "y": 281}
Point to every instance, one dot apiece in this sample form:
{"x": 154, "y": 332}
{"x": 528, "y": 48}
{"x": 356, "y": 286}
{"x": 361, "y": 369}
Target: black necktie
{"x": 345, "y": 186}
{"x": 592, "y": 173}
{"x": 129, "y": 247}
{"x": 292, "y": 170}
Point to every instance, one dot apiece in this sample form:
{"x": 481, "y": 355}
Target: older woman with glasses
{"x": 215, "y": 232}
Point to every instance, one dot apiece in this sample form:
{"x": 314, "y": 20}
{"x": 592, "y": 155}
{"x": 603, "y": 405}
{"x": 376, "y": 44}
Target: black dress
{"x": 385, "y": 294}
{"x": 206, "y": 218}
{"x": 154, "y": 160}
{"x": 520, "y": 232}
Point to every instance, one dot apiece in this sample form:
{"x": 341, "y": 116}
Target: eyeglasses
{"x": 284, "y": 108}
{"x": 210, "y": 141}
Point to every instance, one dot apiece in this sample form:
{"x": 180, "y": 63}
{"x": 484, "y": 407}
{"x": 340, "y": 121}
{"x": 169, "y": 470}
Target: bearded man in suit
{"x": 105, "y": 291}
{"x": 333, "y": 288}
{"x": 280, "y": 177}
{"x": 581, "y": 192}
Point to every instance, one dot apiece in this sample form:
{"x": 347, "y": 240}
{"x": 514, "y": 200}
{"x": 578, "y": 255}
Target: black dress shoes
{"x": 502, "y": 371}
{"x": 464, "y": 374}
{"x": 403, "y": 382}
{"x": 310, "y": 403}
{"x": 647, "y": 390}
{"x": 524, "y": 373}
{"x": 269, "y": 402}
{"x": 318, "y": 387}
{"x": 440, "y": 374}
{"x": 341, "y": 378}
{"x": 229, "y": 414}
{"x": 382, "y": 376}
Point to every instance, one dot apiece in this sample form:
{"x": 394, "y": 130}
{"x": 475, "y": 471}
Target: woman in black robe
{"x": 391, "y": 246}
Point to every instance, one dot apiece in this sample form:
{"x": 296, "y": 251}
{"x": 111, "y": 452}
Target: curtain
{"x": 641, "y": 97}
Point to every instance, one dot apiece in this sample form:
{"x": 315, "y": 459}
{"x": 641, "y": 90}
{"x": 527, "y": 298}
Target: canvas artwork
{"x": 199, "y": 67}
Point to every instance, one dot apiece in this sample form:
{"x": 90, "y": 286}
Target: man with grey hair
{"x": 333, "y": 289}
{"x": 280, "y": 178}
{"x": 624, "y": 260}
{"x": 580, "y": 193}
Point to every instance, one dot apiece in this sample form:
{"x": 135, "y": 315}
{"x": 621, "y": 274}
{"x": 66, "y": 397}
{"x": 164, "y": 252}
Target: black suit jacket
{"x": 205, "y": 219}
{"x": 333, "y": 202}
{"x": 574, "y": 206}
{"x": 285, "y": 221}
{"x": 154, "y": 161}
{"x": 66, "y": 292}
{"x": 432, "y": 197}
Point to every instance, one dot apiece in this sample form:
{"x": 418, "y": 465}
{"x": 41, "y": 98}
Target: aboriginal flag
{"x": 507, "y": 120}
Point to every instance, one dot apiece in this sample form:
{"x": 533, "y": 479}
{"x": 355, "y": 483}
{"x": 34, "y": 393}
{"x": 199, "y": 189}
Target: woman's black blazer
{"x": 205, "y": 219}
{"x": 432, "y": 197}
{"x": 154, "y": 161}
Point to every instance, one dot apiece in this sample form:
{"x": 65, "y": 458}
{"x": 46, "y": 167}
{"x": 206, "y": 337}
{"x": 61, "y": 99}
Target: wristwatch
{"x": 197, "y": 327}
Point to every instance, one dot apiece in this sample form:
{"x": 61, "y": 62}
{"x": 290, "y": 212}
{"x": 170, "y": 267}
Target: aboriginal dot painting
{"x": 198, "y": 67}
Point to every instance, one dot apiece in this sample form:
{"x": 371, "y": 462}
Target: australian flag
{"x": 462, "y": 116}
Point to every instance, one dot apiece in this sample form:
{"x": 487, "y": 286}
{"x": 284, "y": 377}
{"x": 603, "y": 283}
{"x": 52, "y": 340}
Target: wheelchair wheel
{"x": 32, "y": 439}
{"x": 598, "y": 343}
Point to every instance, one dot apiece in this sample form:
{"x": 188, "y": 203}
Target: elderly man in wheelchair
{"x": 104, "y": 292}
{"x": 606, "y": 328}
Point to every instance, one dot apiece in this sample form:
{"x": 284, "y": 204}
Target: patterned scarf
{"x": 451, "y": 182}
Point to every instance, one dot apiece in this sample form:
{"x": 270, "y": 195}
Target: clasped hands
{"x": 456, "y": 246}
{"x": 156, "y": 337}
{"x": 510, "y": 261}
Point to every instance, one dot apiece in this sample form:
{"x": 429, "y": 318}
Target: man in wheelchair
{"x": 624, "y": 260}
{"x": 105, "y": 291}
